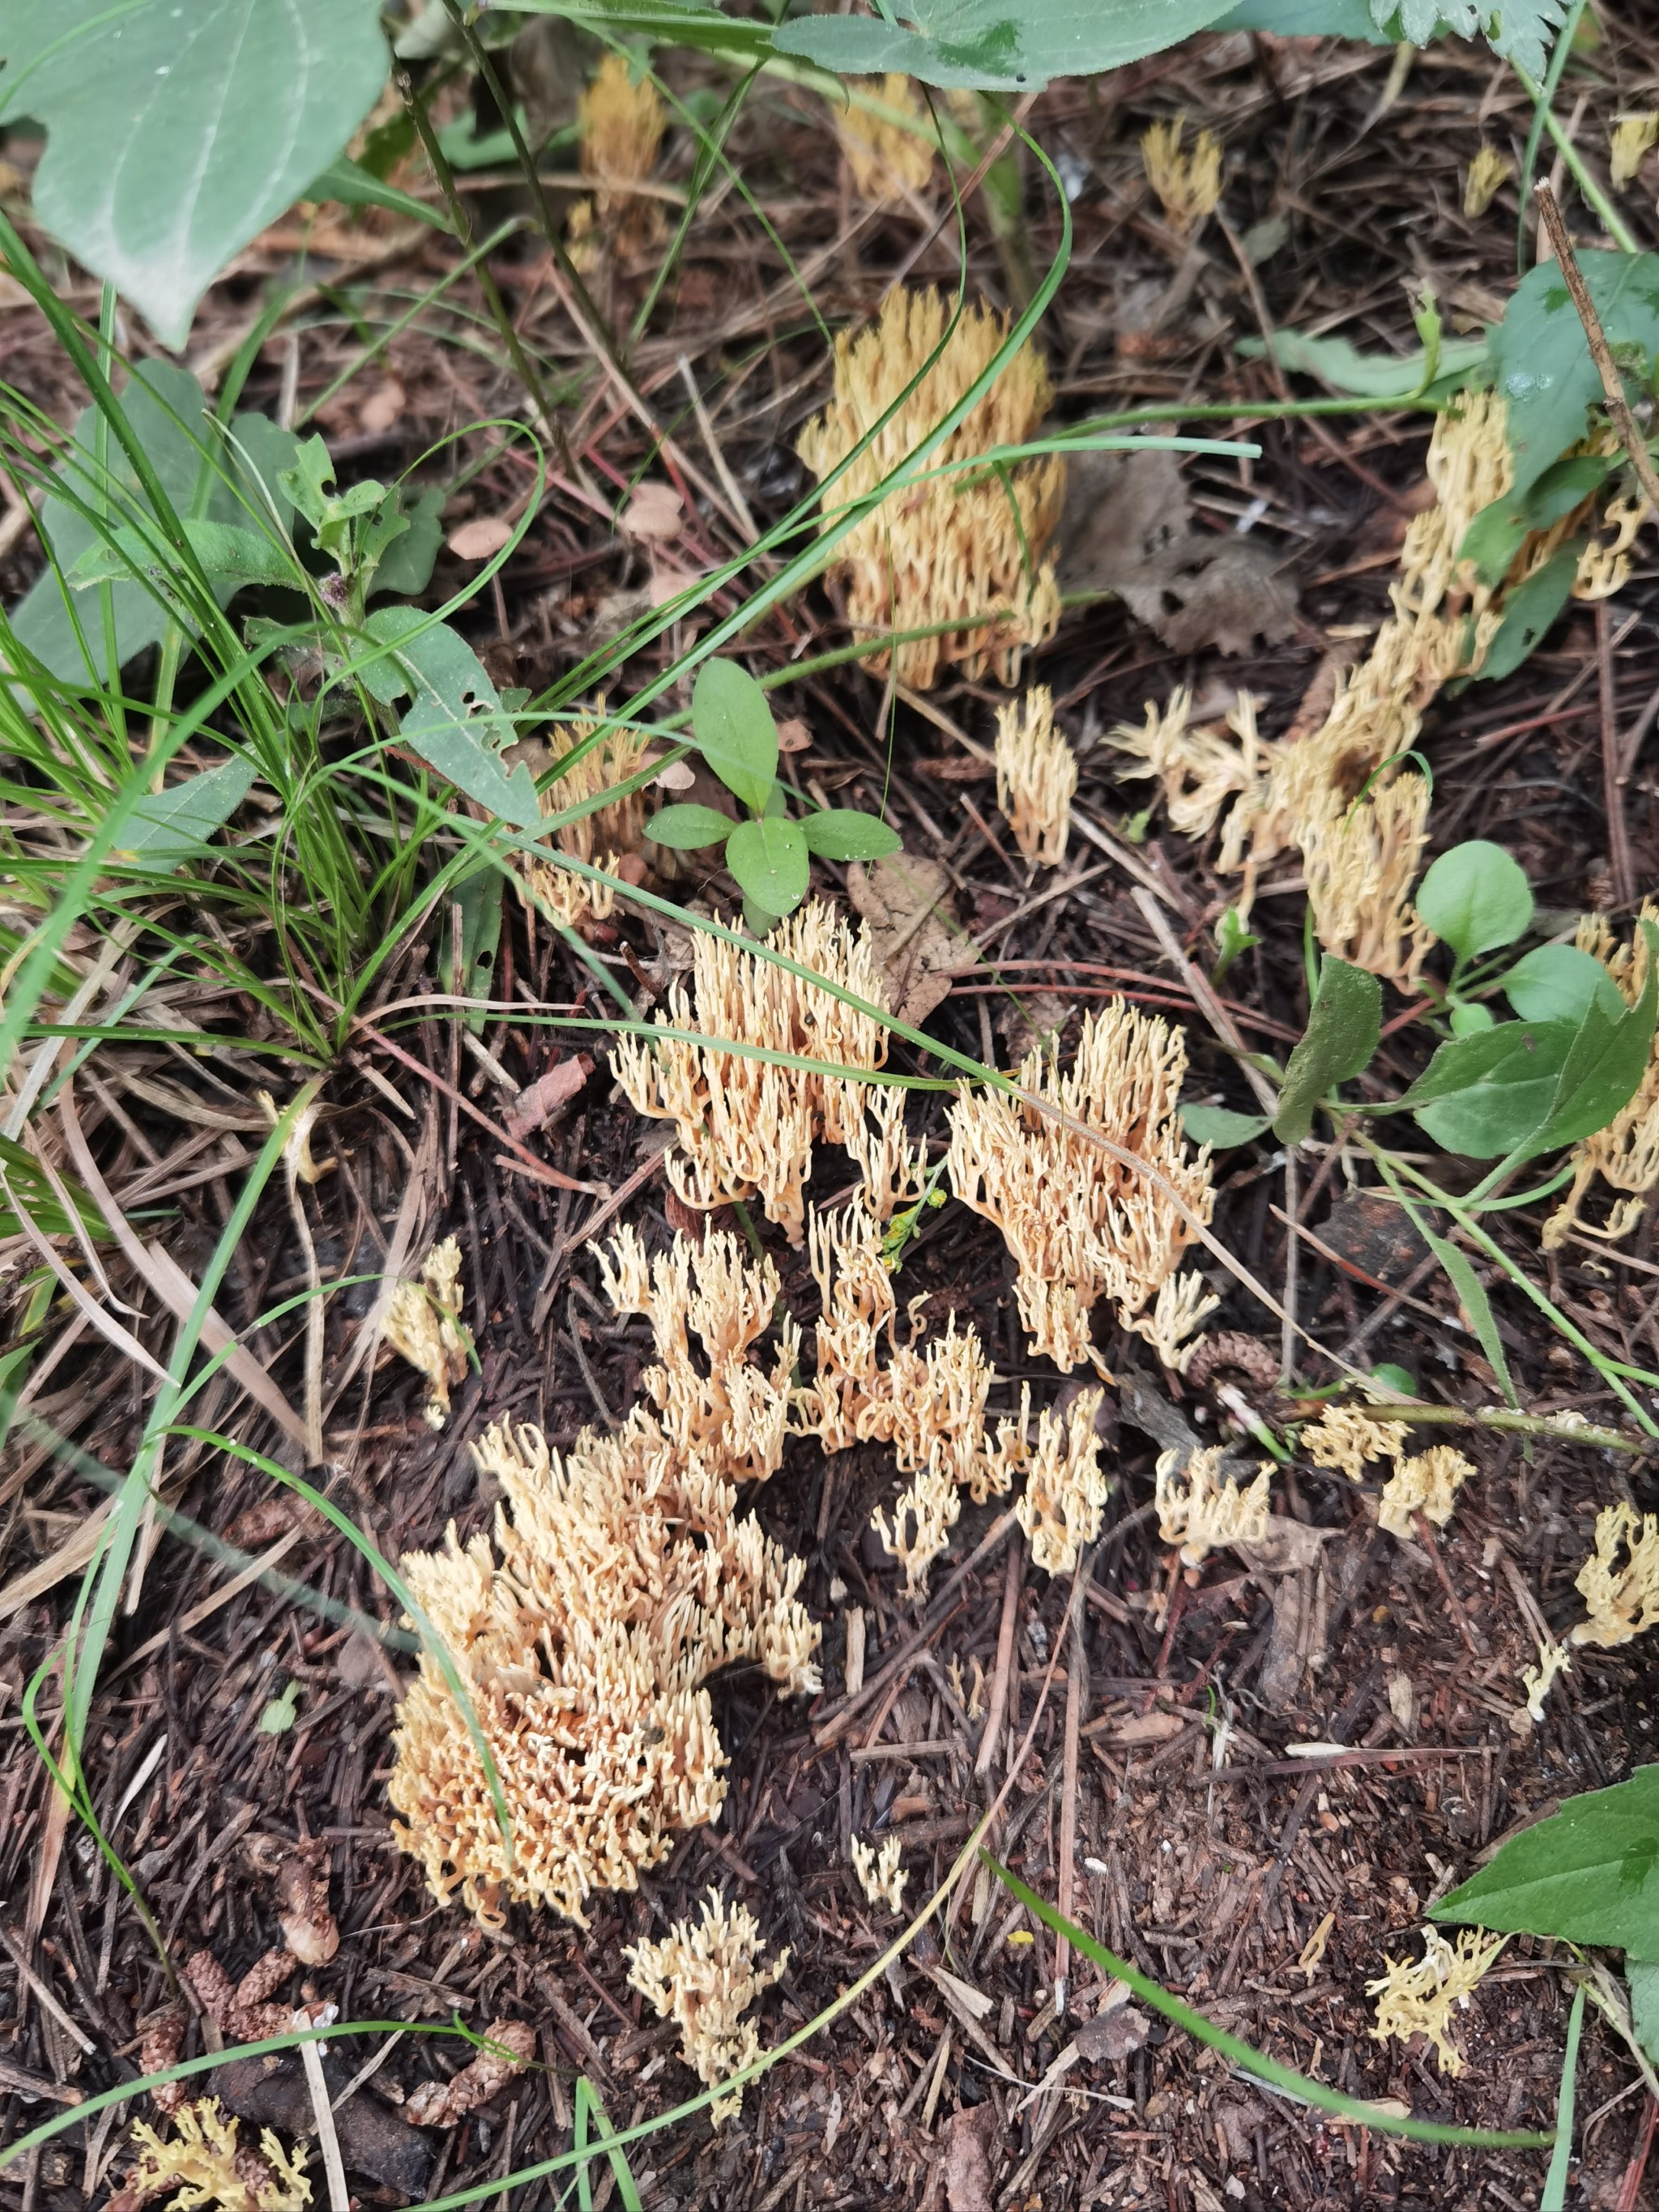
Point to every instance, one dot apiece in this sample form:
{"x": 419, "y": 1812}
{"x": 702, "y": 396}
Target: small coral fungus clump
{"x": 1036, "y": 776}
{"x": 1625, "y": 1154}
{"x": 1065, "y": 1490}
{"x": 703, "y": 1977}
{"x": 620, "y": 123}
{"x": 625, "y": 1578}
{"x": 955, "y": 548}
{"x": 1086, "y": 1219}
{"x": 601, "y": 836}
{"x": 1201, "y": 1512}
{"x": 1619, "y": 1581}
{"x": 887, "y": 156}
{"x": 1418, "y": 1998}
{"x": 747, "y": 1126}
{"x": 423, "y": 1325}
{"x": 204, "y": 2161}
{"x": 1187, "y": 184}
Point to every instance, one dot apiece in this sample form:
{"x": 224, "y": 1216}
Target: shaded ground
{"x": 1264, "y": 1888}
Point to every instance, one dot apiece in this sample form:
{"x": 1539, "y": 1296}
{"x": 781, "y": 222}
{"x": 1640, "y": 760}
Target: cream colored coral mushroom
{"x": 1188, "y": 184}
{"x": 620, "y": 121}
{"x": 600, "y": 835}
{"x": 423, "y": 1325}
{"x": 1427, "y": 1484}
{"x": 203, "y": 2160}
{"x": 955, "y": 547}
{"x": 1199, "y": 1511}
{"x": 1418, "y": 1997}
{"x": 1085, "y": 1219}
{"x": 880, "y": 1877}
{"x": 888, "y": 155}
{"x": 625, "y": 1578}
{"x": 747, "y": 1126}
{"x": 1036, "y": 776}
{"x": 1345, "y": 1440}
{"x": 1065, "y": 1488}
{"x": 1619, "y": 1581}
{"x": 703, "y": 1976}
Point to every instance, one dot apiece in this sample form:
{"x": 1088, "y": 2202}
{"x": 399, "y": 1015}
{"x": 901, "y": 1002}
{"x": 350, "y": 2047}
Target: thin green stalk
{"x": 1554, "y": 2198}
{"x": 1501, "y": 1419}
{"x": 1595, "y": 198}
{"x": 1541, "y": 106}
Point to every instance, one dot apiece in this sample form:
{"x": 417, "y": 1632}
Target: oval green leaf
{"x": 1485, "y": 1095}
{"x": 733, "y": 730}
{"x": 1220, "y": 1126}
{"x": 841, "y": 833}
{"x": 688, "y": 829}
{"x": 1475, "y": 897}
{"x": 1344, "y": 1025}
{"x": 1560, "y": 983}
{"x": 770, "y": 862}
{"x": 1589, "y": 1874}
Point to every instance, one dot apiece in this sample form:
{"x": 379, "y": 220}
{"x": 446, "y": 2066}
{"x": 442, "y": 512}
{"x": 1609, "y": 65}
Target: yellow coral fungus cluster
{"x": 203, "y": 2161}
{"x": 625, "y": 1578}
{"x": 1344, "y": 1439}
{"x": 1066, "y": 1489}
{"x": 423, "y": 1325}
{"x": 747, "y": 1126}
{"x": 620, "y": 121}
{"x": 1619, "y": 1581}
{"x": 1036, "y": 776}
{"x": 1201, "y": 1512}
{"x": 881, "y": 1877}
{"x": 600, "y": 835}
{"x": 958, "y": 547}
{"x": 1083, "y": 1219}
{"x": 703, "y": 1977}
{"x": 888, "y": 153}
{"x": 1187, "y": 184}
{"x": 1340, "y": 793}
{"x": 1625, "y": 1154}
{"x": 1418, "y": 1997}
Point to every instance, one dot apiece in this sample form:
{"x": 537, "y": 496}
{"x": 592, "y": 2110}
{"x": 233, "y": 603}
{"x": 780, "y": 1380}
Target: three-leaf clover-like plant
{"x": 769, "y": 854}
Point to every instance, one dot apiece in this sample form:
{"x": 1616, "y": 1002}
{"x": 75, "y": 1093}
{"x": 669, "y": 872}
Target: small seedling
{"x": 771, "y": 855}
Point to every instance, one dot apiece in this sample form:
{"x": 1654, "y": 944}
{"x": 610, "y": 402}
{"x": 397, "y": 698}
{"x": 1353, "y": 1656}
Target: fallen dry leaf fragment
{"x": 920, "y": 953}
{"x": 1112, "y": 2036}
{"x": 479, "y": 539}
{"x": 1122, "y": 510}
{"x": 551, "y": 1092}
{"x": 967, "y": 2138}
{"x": 382, "y": 407}
{"x": 654, "y": 516}
{"x": 1222, "y": 593}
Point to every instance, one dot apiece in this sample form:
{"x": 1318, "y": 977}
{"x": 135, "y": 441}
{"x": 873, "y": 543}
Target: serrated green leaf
{"x": 1483, "y": 1096}
{"x": 1541, "y": 358}
{"x": 1529, "y": 610}
{"x": 170, "y": 142}
{"x": 1519, "y": 30}
{"x": 1475, "y": 897}
{"x": 1558, "y": 982}
{"x": 732, "y": 728}
{"x": 1344, "y": 1025}
{"x": 689, "y": 828}
{"x": 769, "y": 861}
{"x": 1221, "y": 1127}
{"x": 993, "y": 47}
{"x": 1589, "y": 1874}
{"x": 841, "y": 833}
{"x": 454, "y": 721}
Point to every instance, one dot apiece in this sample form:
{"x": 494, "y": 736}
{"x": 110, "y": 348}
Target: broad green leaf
{"x": 993, "y": 46}
{"x": 1541, "y": 357}
{"x": 1558, "y": 982}
{"x": 1498, "y": 533}
{"x": 1475, "y": 897}
{"x": 455, "y": 721}
{"x": 350, "y": 185}
{"x": 174, "y": 825}
{"x": 1399, "y": 1380}
{"x": 1589, "y": 1874}
{"x": 1528, "y": 613}
{"x": 1341, "y": 368}
{"x": 1644, "y": 1978}
{"x": 1604, "y": 1064}
{"x": 174, "y": 136}
{"x": 733, "y": 730}
{"x": 169, "y": 418}
{"x": 1304, "y": 18}
{"x": 1484, "y": 1096}
{"x": 405, "y": 568}
{"x": 1519, "y": 30}
{"x": 769, "y": 861}
{"x": 1221, "y": 1127}
{"x": 689, "y": 828}
{"x": 841, "y": 833}
{"x": 230, "y": 553}
{"x": 1344, "y": 1025}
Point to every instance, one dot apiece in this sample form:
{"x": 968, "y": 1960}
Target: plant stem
{"x": 1564, "y": 1431}
{"x": 1630, "y": 436}
{"x": 416, "y": 110}
{"x": 1595, "y": 198}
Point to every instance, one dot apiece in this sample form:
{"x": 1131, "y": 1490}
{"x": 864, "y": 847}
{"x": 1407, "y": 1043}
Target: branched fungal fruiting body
{"x": 1199, "y": 1512}
{"x": 703, "y": 1977}
{"x": 1036, "y": 776}
{"x": 1418, "y": 1997}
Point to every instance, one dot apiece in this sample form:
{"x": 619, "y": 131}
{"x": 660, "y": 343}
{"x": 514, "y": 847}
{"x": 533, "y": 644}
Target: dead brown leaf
{"x": 920, "y": 954}
{"x": 1112, "y": 2036}
{"x": 1290, "y": 1546}
{"x": 1121, "y": 510}
{"x": 1224, "y": 592}
{"x": 793, "y": 736}
{"x": 480, "y": 538}
{"x": 551, "y": 1092}
{"x": 967, "y": 2139}
{"x": 382, "y": 407}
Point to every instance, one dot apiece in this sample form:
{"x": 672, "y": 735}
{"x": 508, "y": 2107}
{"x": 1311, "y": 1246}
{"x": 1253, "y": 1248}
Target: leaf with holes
{"x": 992, "y": 44}
{"x": 174, "y": 137}
{"x": 455, "y": 722}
